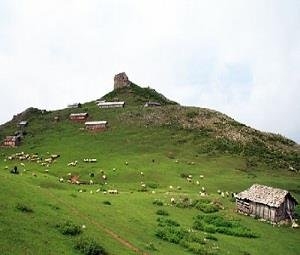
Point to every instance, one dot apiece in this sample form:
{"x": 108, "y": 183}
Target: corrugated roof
{"x": 264, "y": 194}
{"x": 110, "y": 103}
{"x": 101, "y": 122}
{"x": 78, "y": 114}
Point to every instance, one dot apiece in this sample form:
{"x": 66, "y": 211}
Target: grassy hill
{"x": 146, "y": 154}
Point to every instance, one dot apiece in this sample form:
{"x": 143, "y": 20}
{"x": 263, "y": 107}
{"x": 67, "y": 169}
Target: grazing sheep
{"x": 91, "y": 182}
{"x": 114, "y": 169}
{"x": 46, "y": 170}
{"x": 22, "y": 164}
{"x": 227, "y": 194}
{"x": 61, "y": 179}
{"x": 202, "y": 194}
{"x": 190, "y": 176}
{"x": 219, "y": 191}
{"x": 178, "y": 187}
{"x": 143, "y": 185}
{"x": 104, "y": 177}
{"x": 171, "y": 187}
{"x": 142, "y": 173}
{"x": 48, "y": 160}
{"x": 153, "y": 191}
{"x": 126, "y": 163}
{"x": 97, "y": 190}
{"x": 176, "y": 161}
{"x": 172, "y": 200}
{"x": 201, "y": 176}
{"x": 203, "y": 189}
{"x": 189, "y": 179}
{"x": 197, "y": 182}
{"x": 34, "y": 174}
{"x": 6, "y": 167}
{"x": 83, "y": 226}
{"x": 222, "y": 194}
{"x": 112, "y": 191}
{"x": 74, "y": 163}
{"x": 91, "y": 192}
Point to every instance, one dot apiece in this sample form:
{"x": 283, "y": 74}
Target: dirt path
{"x": 108, "y": 231}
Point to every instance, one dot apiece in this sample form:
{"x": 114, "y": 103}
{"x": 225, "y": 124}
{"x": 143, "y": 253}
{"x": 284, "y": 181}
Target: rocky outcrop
{"x": 121, "y": 80}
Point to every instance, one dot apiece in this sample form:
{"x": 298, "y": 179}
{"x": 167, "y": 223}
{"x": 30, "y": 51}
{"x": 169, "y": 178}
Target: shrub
{"x": 69, "y": 228}
{"x": 162, "y": 212}
{"x": 215, "y": 223}
{"x": 89, "y": 246}
{"x": 158, "y": 202}
{"x": 170, "y": 234}
{"x": 106, "y": 202}
{"x": 24, "y": 208}
{"x": 207, "y": 208}
{"x": 211, "y": 237}
{"x": 152, "y": 185}
{"x": 162, "y": 222}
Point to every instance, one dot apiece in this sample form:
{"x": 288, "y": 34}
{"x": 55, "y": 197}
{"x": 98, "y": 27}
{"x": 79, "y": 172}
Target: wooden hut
{"x": 79, "y": 117}
{"x": 96, "y": 125}
{"x": 120, "y": 104}
{"x": 152, "y": 104}
{"x": 12, "y": 141}
{"x": 265, "y": 202}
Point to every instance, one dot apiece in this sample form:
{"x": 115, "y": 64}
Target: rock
{"x": 121, "y": 81}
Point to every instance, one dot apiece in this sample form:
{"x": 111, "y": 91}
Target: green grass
{"x": 34, "y": 203}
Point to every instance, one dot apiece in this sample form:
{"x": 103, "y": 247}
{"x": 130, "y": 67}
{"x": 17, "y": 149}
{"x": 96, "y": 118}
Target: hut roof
{"x": 79, "y": 114}
{"x": 96, "y": 122}
{"x": 265, "y": 195}
{"x": 23, "y": 122}
{"x": 111, "y": 103}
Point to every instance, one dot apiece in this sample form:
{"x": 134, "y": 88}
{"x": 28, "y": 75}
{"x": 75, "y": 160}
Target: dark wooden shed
{"x": 266, "y": 202}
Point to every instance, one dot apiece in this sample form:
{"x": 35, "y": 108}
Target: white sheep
{"x": 171, "y": 187}
{"x": 222, "y": 194}
{"x": 201, "y": 176}
{"x": 197, "y": 182}
{"x": 97, "y": 190}
{"x": 142, "y": 173}
{"x": 104, "y": 177}
{"x": 189, "y": 179}
{"x": 91, "y": 182}
{"x": 22, "y": 164}
{"x": 203, "y": 189}
{"x": 172, "y": 200}
{"x": 61, "y": 179}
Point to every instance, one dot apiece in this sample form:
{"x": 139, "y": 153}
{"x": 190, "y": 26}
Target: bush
{"x": 158, "y": 202}
{"x": 207, "y": 208}
{"x": 106, "y": 202}
{"x": 89, "y": 246}
{"x": 162, "y": 222}
{"x": 162, "y": 212}
{"x": 217, "y": 224}
{"x": 152, "y": 185}
{"x": 24, "y": 208}
{"x": 69, "y": 228}
{"x": 170, "y": 234}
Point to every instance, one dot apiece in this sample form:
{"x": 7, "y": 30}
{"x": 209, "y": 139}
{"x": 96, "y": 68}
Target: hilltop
{"x": 158, "y": 180}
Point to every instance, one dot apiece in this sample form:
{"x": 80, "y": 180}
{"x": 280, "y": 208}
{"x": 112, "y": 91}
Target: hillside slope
{"x": 146, "y": 154}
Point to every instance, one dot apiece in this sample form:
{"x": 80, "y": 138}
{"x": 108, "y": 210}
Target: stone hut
{"x": 265, "y": 202}
{"x": 121, "y": 81}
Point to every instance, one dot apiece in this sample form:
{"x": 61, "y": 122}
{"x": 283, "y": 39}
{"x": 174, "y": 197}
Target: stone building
{"x": 121, "y": 81}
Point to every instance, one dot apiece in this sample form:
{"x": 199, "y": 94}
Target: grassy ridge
{"x": 161, "y": 147}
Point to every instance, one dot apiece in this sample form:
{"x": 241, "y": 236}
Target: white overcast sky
{"x": 238, "y": 57}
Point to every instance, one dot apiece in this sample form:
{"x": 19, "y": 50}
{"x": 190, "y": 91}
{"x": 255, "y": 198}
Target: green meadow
{"x": 156, "y": 210}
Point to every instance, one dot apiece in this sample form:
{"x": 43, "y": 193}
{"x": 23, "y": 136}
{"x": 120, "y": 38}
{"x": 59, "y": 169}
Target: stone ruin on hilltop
{"x": 121, "y": 81}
